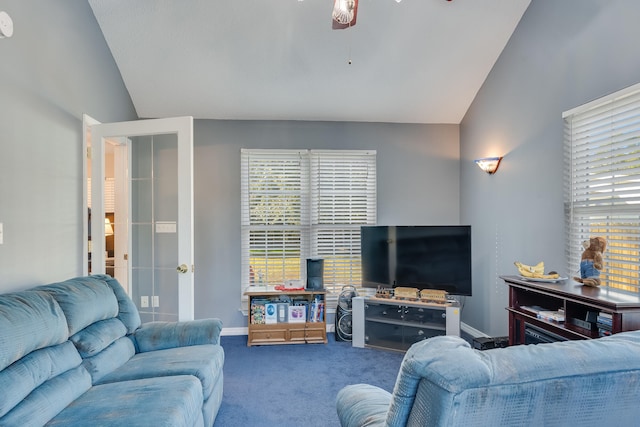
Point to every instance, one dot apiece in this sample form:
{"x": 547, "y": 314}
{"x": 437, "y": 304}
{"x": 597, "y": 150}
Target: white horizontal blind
{"x": 602, "y": 150}
{"x": 298, "y": 204}
{"x": 275, "y": 223}
{"x": 343, "y": 195}
{"x": 109, "y": 194}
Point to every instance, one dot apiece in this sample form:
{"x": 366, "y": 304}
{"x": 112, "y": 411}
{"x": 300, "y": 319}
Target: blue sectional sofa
{"x": 444, "y": 382}
{"x": 75, "y": 353}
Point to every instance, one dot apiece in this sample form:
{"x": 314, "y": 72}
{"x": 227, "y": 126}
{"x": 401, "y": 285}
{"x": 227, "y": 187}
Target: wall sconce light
{"x": 108, "y": 228}
{"x": 489, "y": 164}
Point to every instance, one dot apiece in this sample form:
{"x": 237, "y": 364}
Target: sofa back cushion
{"x": 48, "y": 400}
{"x": 56, "y": 339}
{"x": 98, "y": 336}
{"x": 127, "y": 310}
{"x": 37, "y": 361}
{"x": 29, "y": 320}
{"x": 438, "y": 358}
{"x": 100, "y": 316}
{"x": 24, "y": 376}
{"x": 590, "y": 382}
{"x": 84, "y": 300}
{"x": 109, "y": 359}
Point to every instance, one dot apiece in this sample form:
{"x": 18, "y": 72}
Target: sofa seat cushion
{"x": 165, "y": 401}
{"x": 202, "y": 361}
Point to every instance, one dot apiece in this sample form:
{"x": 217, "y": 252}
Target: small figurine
{"x": 591, "y": 261}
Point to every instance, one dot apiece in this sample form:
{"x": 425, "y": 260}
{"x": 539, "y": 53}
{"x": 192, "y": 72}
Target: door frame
{"x": 183, "y": 127}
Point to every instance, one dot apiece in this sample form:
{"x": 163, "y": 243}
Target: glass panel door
{"x": 154, "y": 255}
{"x": 157, "y": 218}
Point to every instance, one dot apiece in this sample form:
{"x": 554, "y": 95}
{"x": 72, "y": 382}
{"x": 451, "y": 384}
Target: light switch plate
{"x": 1, "y": 234}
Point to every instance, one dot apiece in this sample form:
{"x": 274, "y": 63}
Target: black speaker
{"x": 315, "y": 271}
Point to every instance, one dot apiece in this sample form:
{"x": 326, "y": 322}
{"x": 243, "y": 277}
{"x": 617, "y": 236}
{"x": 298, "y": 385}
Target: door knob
{"x": 182, "y": 268}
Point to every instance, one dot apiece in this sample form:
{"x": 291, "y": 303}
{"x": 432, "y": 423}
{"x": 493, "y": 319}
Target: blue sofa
{"x": 75, "y": 353}
{"x": 444, "y": 382}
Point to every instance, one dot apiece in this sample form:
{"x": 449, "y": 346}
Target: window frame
{"x": 602, "y": 184}
{"x": 327, "y": 179}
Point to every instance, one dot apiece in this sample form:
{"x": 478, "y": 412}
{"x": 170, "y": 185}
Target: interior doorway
{"x": 116, "y": 207}
{"x": 139, "y": 191}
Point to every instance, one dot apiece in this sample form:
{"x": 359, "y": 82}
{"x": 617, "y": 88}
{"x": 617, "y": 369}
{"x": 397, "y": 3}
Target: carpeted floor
{"x": 296, "y": 385}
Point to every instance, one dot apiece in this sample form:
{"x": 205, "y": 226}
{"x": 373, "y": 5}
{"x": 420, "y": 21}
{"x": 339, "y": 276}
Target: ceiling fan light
{"x": 344, "y": 13}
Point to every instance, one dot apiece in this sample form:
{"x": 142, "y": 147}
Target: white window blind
{"x": 299, "y": 204}
{"x": 602, "y": 186}
{"x": 343, "y": 196}
{"x": 109, "y": 194}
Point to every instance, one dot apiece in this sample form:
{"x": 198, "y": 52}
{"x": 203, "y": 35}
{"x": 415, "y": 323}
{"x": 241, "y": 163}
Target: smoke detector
{"x": 6, "y": 25}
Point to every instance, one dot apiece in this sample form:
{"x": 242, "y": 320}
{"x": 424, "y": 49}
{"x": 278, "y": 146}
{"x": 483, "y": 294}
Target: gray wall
{"x": 55, "y": 68}
{"x": 418, "y": 183}
{"x": 562, "y": 54}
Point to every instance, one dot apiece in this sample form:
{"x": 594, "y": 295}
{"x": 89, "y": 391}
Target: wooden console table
{"x": 580, "y": 304}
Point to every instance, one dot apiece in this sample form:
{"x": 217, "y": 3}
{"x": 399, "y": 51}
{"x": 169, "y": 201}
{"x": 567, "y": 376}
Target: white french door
{"x": 153, "y": 211}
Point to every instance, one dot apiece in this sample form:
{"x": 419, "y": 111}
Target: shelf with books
{"x": 569, "y": 310}
{"x": 286, "y": 317}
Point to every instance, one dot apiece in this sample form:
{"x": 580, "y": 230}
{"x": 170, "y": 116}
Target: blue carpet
{"x": 296, "y": 385}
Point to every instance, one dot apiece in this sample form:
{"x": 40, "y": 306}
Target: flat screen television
{"x": 423, "y": 257}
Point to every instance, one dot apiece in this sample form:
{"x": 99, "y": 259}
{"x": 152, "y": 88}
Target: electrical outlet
{"x": 144, "y": 301}
{"x": 156, "y": 301}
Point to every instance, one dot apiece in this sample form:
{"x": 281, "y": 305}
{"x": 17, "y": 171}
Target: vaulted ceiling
{"x": 414, "y": 61}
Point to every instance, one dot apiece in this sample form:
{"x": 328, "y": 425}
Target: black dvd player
{"x": 536, "y": 335}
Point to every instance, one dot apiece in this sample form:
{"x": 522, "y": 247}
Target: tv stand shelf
{"x": 397, "y": 324}
{"x": 578, "y": 303}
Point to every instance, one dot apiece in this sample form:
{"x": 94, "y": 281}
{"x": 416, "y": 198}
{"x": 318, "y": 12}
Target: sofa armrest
{"x": 362, "y": 405}
{"x": 160, "y": 335}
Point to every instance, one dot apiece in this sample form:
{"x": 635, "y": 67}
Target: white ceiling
{"x": 417, "y": 61}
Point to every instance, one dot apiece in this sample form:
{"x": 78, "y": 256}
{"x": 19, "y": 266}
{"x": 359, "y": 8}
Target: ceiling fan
{"x": 344, "y": 13}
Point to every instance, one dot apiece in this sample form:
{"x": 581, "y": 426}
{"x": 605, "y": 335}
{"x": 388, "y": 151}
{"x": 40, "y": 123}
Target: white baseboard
{"x": 245, "y": 331}
{"x": 472, "y": 331}
{"x": 234, "y": 331}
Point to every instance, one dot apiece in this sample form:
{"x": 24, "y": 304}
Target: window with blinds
{"x": 299, "y": 204}
{"x": 602, "y": 188}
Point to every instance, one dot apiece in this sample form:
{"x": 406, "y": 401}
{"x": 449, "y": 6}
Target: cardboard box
{"x": 271, "y": 313}
{"x": 297, "y": 314}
